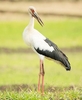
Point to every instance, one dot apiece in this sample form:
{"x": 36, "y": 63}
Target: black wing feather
{"x": 56, "y": 54}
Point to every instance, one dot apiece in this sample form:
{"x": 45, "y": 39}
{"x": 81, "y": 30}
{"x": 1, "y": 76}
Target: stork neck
{"x": 31, "y": 24}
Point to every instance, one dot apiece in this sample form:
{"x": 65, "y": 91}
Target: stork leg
{"x": 39, "y": 77}
{"x": 41, "y": 74}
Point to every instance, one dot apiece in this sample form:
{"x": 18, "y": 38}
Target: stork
{"x": 42, "y": 46}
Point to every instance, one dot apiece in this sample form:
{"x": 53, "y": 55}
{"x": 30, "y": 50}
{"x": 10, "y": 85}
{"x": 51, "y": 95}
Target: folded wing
{"x": 51, "y": 50}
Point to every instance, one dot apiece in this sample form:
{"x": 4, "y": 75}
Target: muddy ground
{"x": 27, "y": 87}
{"x": 29, "y": 50}
{"x": 19, "y": 10}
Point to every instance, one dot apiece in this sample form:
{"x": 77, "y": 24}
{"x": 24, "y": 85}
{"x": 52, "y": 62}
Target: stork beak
{"x": 38, "y": 19}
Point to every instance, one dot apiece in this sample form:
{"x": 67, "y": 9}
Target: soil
{"x": 29, "y": 50}
{"x": 19, "y": 10}
{"x": 27, "y": 87}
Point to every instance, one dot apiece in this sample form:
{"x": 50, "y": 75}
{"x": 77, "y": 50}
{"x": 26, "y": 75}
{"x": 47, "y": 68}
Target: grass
{"x": 19, "y": 69}
{"x": 61, "y": 94}
{"x": 22, "y": 68}
{"x": 65, "y": 30}
{"x": 25, "y": 96}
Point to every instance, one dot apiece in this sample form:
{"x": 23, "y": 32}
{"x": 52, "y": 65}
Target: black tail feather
{"x": 58, "y": 55}
{"x": 64, "y": 60}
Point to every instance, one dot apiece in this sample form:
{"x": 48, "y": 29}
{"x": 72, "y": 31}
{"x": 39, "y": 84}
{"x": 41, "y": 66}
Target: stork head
{"x": 33, "y": 13}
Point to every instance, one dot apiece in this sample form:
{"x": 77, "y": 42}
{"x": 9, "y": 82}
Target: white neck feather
{"x": 31, "y": 23}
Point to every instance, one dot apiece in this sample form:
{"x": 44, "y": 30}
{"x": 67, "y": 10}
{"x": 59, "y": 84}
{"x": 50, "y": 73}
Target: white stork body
{"x": 42, "y": 46}
{"x": 36, "y": 40}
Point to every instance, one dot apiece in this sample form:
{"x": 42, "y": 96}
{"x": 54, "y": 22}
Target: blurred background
{"x": 17, "y": 9}
{"x": 62, "y": 24}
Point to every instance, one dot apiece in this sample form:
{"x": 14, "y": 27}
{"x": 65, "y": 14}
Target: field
{"x": 19, "y": 76}
{"x": 19, "y": 65}
{"x": 62, "y": 30}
